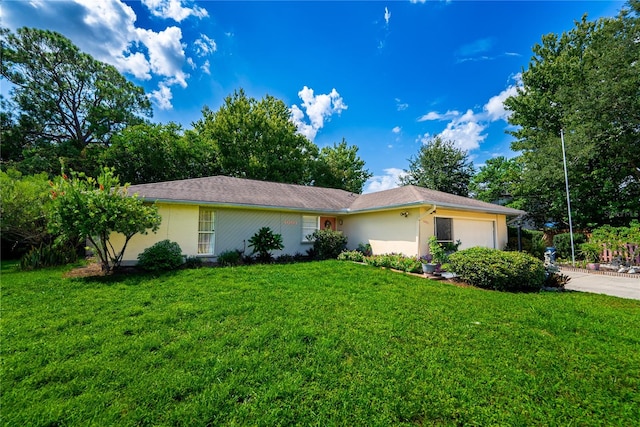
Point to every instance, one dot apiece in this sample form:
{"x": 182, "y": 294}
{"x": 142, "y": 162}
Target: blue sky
{"x": 384, "y": 75}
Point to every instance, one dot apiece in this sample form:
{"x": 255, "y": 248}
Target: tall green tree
{"x": 256, "y": 139}
{"x": 585, "y": 82}
{"x": 440, "y": 165}
{"x": 339, "y": 166}
{"x": 66, "y": 96}
{"x": 96, "y": 208}
{"x": 495, "y": 181}
{"x": 154, "y": 152}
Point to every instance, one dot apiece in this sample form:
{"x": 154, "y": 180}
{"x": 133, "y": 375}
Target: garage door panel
{"x": 474, "y": 233}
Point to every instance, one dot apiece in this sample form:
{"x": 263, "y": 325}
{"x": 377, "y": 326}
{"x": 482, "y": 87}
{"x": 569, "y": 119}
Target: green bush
{"x": 355, "y": 256}
{"x": 532, "y": 241}
{"x": 192, "y": 262}
{"x": 395, "y": 261}
{"x": 562, "y": 243}
{"x": 229, "y": 258}
{"x": 265, "y": 241}
{"x": 499, "y": 270}
{"x": 162, "y": 256}
{"x": 328, "y": 244}
{"x": 365, "y": 249}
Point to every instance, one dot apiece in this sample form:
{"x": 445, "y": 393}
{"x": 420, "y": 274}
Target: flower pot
{"x": 429, "y": 268}
{"x": 593, "y": 266}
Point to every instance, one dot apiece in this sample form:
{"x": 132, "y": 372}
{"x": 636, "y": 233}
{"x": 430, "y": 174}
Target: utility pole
{"x": 566, "y": 183}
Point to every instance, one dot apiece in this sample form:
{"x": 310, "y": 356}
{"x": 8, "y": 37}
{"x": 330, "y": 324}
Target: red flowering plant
{"x": 95, "y": 209}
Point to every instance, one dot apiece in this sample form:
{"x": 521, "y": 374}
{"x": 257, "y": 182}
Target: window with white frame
{"x": 309, "y": 225}
{"x": 444, "y": 230}
{"x": 206, "y": 231}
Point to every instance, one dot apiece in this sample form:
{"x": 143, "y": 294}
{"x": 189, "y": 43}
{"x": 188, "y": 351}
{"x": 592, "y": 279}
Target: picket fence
{"x": 609, "y": 255}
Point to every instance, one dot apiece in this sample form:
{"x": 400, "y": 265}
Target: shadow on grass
{"x": 131, "y": 277}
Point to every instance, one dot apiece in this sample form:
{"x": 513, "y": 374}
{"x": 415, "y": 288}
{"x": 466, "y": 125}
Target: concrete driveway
{"x": 623, "y": 287}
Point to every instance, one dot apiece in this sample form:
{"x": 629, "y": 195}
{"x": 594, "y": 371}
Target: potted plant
{"x": 428, "y": 266}
{"x": 591, "y": 253}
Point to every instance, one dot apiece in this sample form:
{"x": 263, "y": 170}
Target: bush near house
{"x": 498, "y": 270}
{"x": 354, "y": 256}
{"x": 327, "y": 244}
{"x": 163, "y": 256}
{"x": 265, "y": 241}
{"x": 230, "y": 258}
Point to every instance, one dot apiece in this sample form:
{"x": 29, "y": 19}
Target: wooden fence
{"x": 609, "y": 255}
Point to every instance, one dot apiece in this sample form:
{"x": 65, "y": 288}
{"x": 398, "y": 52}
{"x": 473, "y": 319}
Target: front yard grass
{"x": 322, "y": 343}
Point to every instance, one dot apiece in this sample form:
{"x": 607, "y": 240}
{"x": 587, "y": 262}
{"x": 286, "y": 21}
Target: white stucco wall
{"x": 386, "y": 232}
{"x": 233, "y": 229}
{"x": 389, "y": 231}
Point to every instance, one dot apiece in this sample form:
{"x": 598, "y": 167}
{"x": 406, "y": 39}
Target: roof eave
{"x": 244, "y": 206}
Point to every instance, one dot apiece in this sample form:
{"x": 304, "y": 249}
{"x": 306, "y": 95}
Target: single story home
{"x": 207, "y": 216}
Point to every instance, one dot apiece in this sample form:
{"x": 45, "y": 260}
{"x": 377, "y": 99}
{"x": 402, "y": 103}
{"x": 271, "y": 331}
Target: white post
{"x": 566, "y": 183}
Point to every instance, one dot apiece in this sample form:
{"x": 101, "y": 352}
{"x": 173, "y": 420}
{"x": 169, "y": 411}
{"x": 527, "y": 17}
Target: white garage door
{"x": 474, "y": 233}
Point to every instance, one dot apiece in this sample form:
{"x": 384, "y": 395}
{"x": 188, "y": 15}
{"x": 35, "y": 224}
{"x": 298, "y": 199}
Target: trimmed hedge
{"x": 162, "y": 256}
{"x": 498, "y": 270}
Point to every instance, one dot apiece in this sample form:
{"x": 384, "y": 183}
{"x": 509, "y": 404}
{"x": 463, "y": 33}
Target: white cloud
{"x": 387, "y": 15}
{"x": 396, "y": 129}
{"x": 401, "y": 106}
{"x": 318, "y": 108}
{"x": 434, "y": 115}
{"x": 391, "y": 179}
{"x": 174, "y": 9}
{"x": 466, "y": 130}
{"x": 162, "y": 97}
{"x": 495, "y": 106}
{"x": 206, "y": 67}
{"x": 205, "y": 46}
{"x": 166, "y": 52}
{"x": 467, "y": 134}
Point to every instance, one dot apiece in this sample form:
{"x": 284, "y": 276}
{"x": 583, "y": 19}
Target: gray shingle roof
{"x": 223, "y": 190}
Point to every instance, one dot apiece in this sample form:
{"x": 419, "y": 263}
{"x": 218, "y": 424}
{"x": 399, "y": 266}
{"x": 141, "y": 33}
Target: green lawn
{"x": 321, "y": 344}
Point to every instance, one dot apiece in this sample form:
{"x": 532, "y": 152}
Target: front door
{"x": 328, "y": 223}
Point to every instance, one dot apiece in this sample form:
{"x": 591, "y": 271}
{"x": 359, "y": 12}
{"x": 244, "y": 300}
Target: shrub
{"x": 286, "y": 259}
{"x": 48, "y": 256}
{"x": 192, "y": 262}
{"x": 265, "y": 241}
{"x": 229, "y": 258}
{"x": 365, "y": 249}
{"x": 328, "y": 244}
{"x": 355, "y": 256}
{"x": 495, "y": 269}
{"x": 395, "y": 261}
{"x": 562, "y": 243}
{"x": 162, "y": 256}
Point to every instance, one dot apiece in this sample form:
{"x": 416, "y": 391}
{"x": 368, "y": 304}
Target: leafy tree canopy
{"x": 155, "y": 152}
{"x": 340, "y": 167}
{"x": 256, "y": 139}
{"x": 23, "y": 210}
{"x": 64, "y": 95}
{"x": 586, "y": 82}
{"x": 495, "y": 181}
{"x": 440, "y": 165}
{"x": 94, "y": 209}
